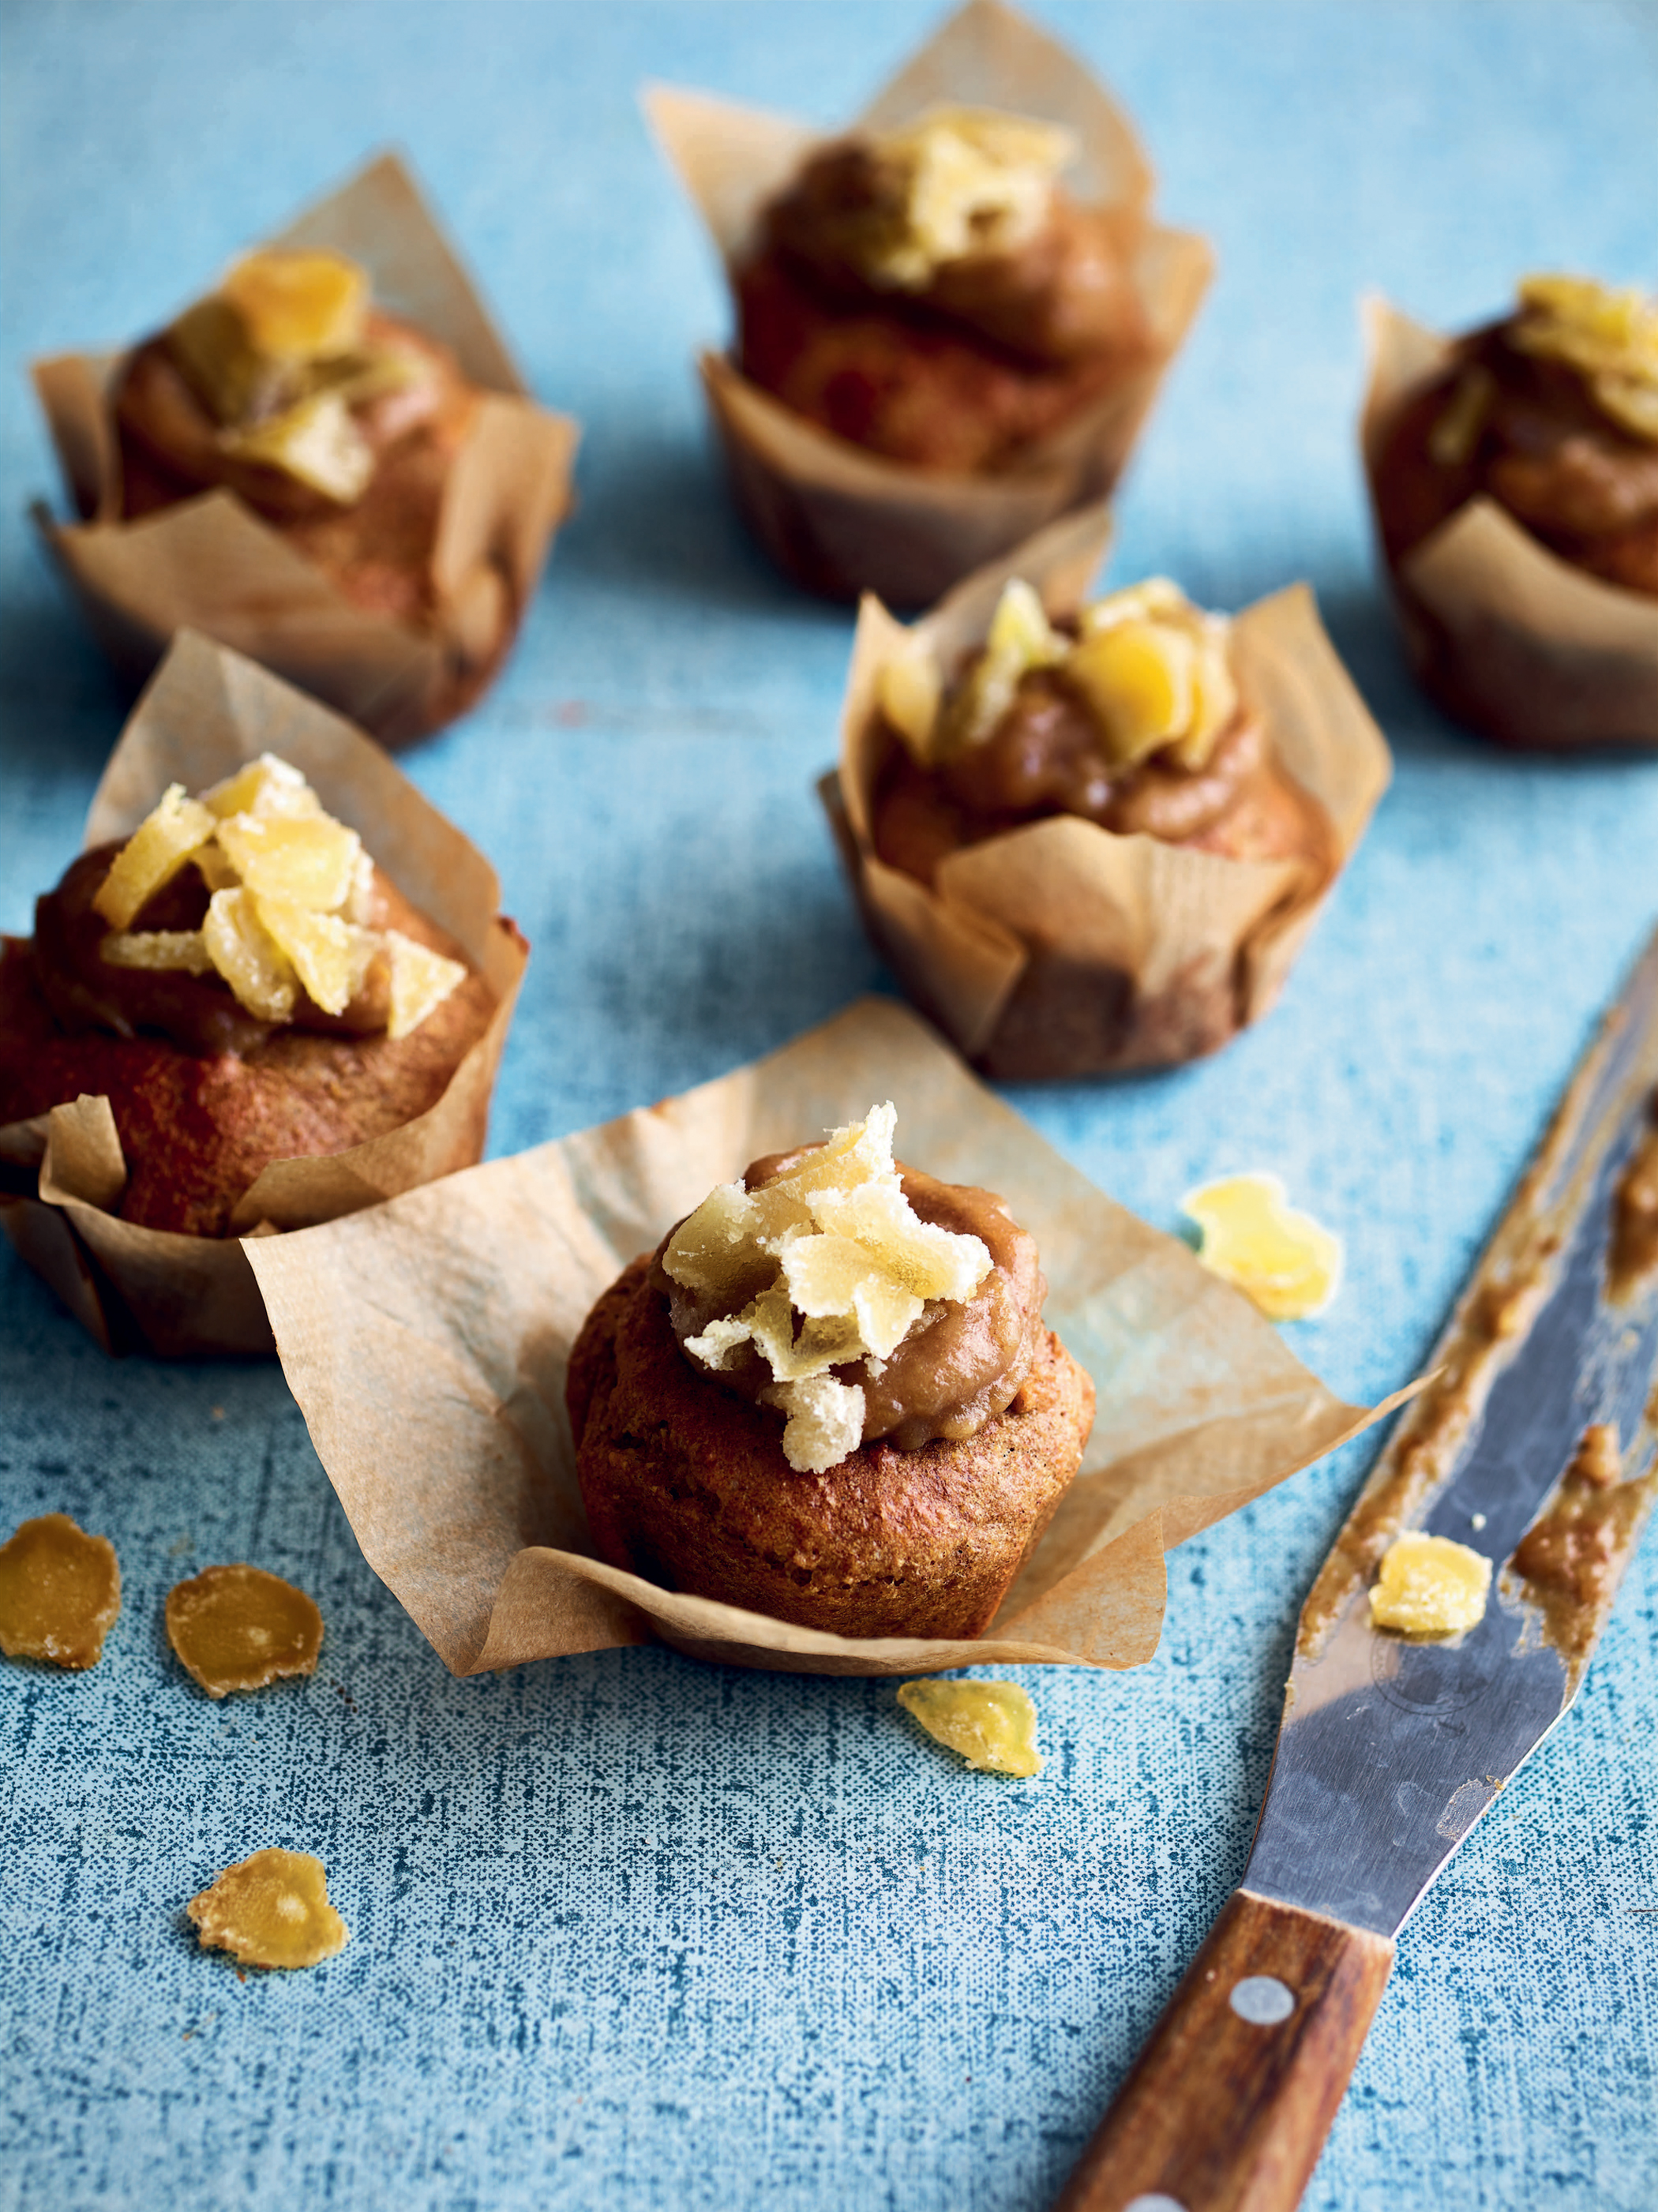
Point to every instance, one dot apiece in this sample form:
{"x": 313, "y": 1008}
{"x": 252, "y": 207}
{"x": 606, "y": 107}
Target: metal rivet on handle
{"x": 1262, "y": 2000}
{"x": 1157, "y": 2202}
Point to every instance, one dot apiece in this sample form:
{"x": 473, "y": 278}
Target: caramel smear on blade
{"x": 1153, "y": 671}
{"x": 958, "y": 184}
{"x": 1429, "y": 1586}
{"x": 240, "y": 1628}
{"x": 289, "y": 886}
{"x": 272, "y": 1910}
{"x": 835, "y": 1266}
{"x": 1608, "y": 335}
{"x": 992, "y": 1724}
{"x": 1284, "y": 1262}
{"x": 60, "y": 1592}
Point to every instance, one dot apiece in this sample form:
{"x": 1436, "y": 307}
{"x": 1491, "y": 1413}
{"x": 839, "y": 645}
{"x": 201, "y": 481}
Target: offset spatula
{"x": 1536, "y": 1443}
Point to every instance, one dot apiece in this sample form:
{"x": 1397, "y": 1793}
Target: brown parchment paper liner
{"x": 426, "y": 1342}
{"x": 206, "y": 711}
{"x": 1062, "y": 948}
{"x": 1502, "y": 633}
{"x": 212, "y": 564}
{"x": 839, "y": 521}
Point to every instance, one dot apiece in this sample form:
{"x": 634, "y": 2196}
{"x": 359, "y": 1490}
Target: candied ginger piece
{"x": 310, "y": 858}
{"x": 299, "y": 305}
{"x": 420, "y": 980}
{"x": 1020, "y": 639}
{"x": 164, "y": 950}
{"x": 240, "y": 1628}
{"x": 153, "y": 855}
{"x": 1429, "y": 1586}
{"x": 1608, "y": 334}
{"x": 992, "y": 1724}
{"x": 1282, "y": 1260}
{"x": 825, "y": 1422}
{"x": 60, "y": 1592}
{"x": 908, "y": 691}
{"x": 265, "y": 786}
{"x": 969, "y": 181}
{"x": 271, "y": 1910}
{"x": 318, "y": 441}
{"x": 834, "y": 1245}
{"x": 330, "y": 956}
{"x": 1154, "y": 599}
{"x": 249, "y": 958}
{"x": 1137, "y": 680}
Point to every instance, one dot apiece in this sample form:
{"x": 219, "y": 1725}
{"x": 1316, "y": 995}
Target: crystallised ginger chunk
{"x": 1287, "y": 1263}
{"x": 248, "y": 957}
{"x": 311, "y": 859}
{"x": 959, "y": 181}
{"x": 1609, "y": 334}
{"x": 829, "y": 1265}
{"x": 265, "y": 786}
{"x": 330, "y": 956}
{"x": 992, "y": 1724}
{"x": 1429, "y": 1586}
{"x": 181, "y": 950}
{"x": 299, "y": 305}
{"x": 60, "y": 1592}
{"x": 420, "y": 980}
{"x": 240, "y": 1628}
{"x": 909, "y": 691}
{"x": 153, "y": 855}
{"x": 271, "y": 1910}
{"x": 318, "y": 441}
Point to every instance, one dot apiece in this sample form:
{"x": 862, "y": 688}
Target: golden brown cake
{"x": 783, "y": 1408}
{"x": 243, "y": 985}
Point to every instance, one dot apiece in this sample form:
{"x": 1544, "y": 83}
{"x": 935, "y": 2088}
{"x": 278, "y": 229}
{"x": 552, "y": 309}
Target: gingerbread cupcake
{"x": 233, "y": 1016}
{"x": 829, "y": 1397}
{"x": 326, "y": 460}
{"x": 1090, "y": 837}
{"x": 951, "y": 318}
{"x": 1515, "y": 478}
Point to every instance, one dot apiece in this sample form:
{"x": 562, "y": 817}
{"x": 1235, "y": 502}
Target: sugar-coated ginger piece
{"x": 271, "y": 1910}
{"x": 1284, "y": 1262}
{"x": 60, "y": 1592}
{"x": 992, "y": 1724}
{"x": 239, "y": 1628}
{"x": 1429, "y": 1586}
{"x": 299, "y": 305}
{"x": 172, "y": 831}
{"x": 835, "y": 1266}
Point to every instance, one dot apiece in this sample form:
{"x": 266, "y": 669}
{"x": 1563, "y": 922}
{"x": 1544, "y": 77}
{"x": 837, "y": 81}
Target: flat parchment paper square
{"x": 426, "y": 1342}
{"x": 205, "y": 712}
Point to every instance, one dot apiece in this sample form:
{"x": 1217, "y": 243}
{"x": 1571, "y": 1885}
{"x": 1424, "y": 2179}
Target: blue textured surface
{"x": 627, "y": 1931}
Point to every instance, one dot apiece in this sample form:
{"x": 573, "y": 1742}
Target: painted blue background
{"x": 627, "y": 1931}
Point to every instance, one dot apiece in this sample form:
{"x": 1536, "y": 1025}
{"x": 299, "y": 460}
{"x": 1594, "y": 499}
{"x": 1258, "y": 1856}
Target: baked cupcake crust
{"x": 686, "y": 1484}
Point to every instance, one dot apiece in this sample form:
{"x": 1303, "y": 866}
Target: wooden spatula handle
{"x": 1229, "y": 2104}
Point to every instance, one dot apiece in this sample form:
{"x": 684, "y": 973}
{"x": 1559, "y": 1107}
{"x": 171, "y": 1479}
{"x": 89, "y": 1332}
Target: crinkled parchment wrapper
{"x": 426, "y": 1343}
{"x": 839, "y": 521}
{"x": 210, "y": 563}
{"x": 1504, "y": 635}
{"x": 1062, "y": 948}
{"x": 205, "y": 712}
